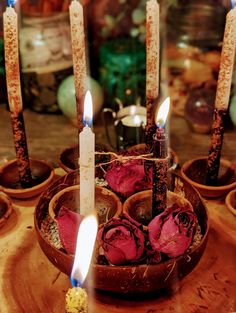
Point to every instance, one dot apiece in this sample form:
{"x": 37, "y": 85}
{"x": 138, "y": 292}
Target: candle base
{"x": 76, "y": 300}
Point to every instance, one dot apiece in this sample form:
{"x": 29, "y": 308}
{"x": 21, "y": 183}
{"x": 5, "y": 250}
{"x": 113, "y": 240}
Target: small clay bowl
{"x": 194, "y": 172}
{"x": 5, "y": 208}
{"x": 139, "y": 205}
{"x": 230, "y": 201}
{"x": 131, "y": 279}
{"x": 42, "y": 175}
{"x": 68, "y": 159}
{"x": 141, "y": 149}
{"x": 107, "y": 204}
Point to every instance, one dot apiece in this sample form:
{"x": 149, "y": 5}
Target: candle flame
{"x": 84, "y": 249}
{"x": 11, "y": 3}
{"x": 163, "y": 113}
{"x": 88, "y": 109}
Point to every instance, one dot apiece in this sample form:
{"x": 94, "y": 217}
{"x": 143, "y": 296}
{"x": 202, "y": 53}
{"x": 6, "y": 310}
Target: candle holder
{"x": 230, "y": 201}
{"x": 107, "y": 203}
{"x": 129, "y": 279}
{"x": 194, "y": 171}
{"x": 42, "y": 176}
{"x": 5, "y": 208}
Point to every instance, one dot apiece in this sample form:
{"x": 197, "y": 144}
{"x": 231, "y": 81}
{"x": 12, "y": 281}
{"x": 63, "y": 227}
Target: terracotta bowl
{"x": 141, "y": 149}
{"x": 107, "y": 203}
{"x": 68, "y": 159}
{"x": 42, "y": 174}
{"x": 5, "y": 208}
{"x": 139, "y": 205}
{"x": 194, "y": 172}
{"x": 230, "y": 201}
{"x": 127, "y": 279}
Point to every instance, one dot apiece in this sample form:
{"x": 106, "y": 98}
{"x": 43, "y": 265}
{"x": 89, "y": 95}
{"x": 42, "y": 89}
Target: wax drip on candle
{"x": 160, "y": 167}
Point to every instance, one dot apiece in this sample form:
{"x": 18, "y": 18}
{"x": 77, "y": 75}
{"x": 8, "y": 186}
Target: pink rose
{"x": 172, "y": 231}
{"x": 68, "y": 224}
{"x": 122, "y": 240}
{"x": 128, "y": 178}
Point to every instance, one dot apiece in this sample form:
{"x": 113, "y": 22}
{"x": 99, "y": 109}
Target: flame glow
{"x": 163, "y": 113}
{"x": 84, "y": 249}
{"x": 88, "y": 109}
{"x": 137, "y": 120}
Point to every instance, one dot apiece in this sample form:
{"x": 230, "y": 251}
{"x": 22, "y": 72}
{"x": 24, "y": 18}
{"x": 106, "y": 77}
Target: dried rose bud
{"x": 122, "y": 240}
{"x": 128, "y": 178}
{"x": 172, "y": 231}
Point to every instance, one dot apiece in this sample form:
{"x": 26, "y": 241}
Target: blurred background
{"x": 191, "y": 41}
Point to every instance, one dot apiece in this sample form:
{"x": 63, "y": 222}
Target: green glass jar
{"x": 122, "y": 71}
{"x": 191, "y": 58}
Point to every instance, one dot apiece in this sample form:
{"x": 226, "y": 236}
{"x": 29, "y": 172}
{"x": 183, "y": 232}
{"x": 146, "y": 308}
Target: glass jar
{"x": 191, "y": 58}
{"x": 46, "y": 59}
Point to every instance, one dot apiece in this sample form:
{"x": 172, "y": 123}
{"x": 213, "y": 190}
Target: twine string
{"x": 125, "y": 158}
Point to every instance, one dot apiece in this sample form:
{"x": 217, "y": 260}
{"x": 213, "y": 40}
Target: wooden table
{"x": 31, "y": 284}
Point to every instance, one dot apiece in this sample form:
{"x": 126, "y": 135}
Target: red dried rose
{"x": 68, "y": 224}
{"x": 122, "y": 240}
{"x": 128, "y": 178}
{"x": 172, "y": 231}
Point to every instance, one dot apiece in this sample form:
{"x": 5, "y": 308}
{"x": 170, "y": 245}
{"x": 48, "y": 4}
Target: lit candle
{"x": 152, "y": 65}
{"x": 14, "y": 94}
{"x": 79, "y": 56}
{"x": 222, "y": 97}
{"x": 76, "y": 297}
{"x": 160, "y": 167}
{"x": 87, "y": 160}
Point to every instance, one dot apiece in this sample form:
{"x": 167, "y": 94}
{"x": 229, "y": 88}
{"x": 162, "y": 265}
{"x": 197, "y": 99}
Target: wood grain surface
{"x": 31, "y": 284}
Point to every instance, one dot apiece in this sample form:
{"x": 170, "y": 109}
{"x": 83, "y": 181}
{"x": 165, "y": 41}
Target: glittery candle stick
{"x": 79, "y": 57}
{"x": 152, "y": 66}
{"x": 222, "y": 98}
{"x": 160, "y": 166}
{"x": 14, "y": 95}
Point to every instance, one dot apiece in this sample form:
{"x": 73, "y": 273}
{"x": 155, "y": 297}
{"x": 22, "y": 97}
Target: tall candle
{"x": 79, "y": 56}
{"x": 87, "y": 160}
{"x": 14, "y": 94}
{"x": 160, "y": 166}
{"x": 152, "y": 65}
{"x": 222, "y": 97}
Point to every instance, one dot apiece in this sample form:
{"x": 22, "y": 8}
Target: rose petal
{"x": 68, "y": 224}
